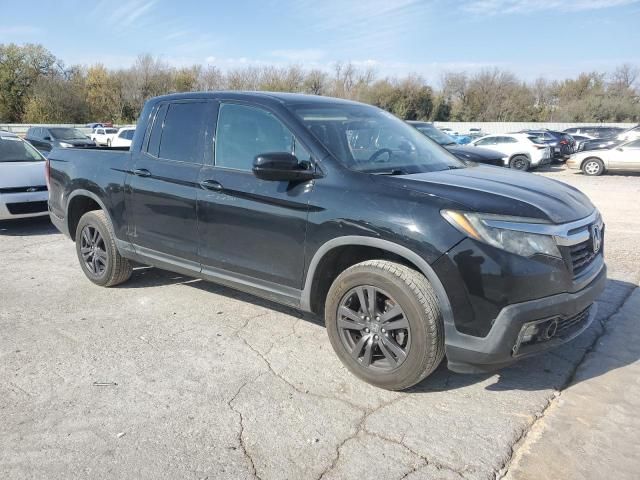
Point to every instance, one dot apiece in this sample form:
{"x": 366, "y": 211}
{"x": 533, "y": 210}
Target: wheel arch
{"x": 80, "y": 202}
{"x": 520, "y": 154}
{"x": 401, "y": 252}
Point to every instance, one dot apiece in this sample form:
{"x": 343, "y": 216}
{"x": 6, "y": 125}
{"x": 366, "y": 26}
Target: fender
{"x": 124, "y": 247}
{"x": 423, "y": 266}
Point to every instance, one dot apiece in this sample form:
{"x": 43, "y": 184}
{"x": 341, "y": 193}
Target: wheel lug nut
{"x": 375, "y": 337}
{"x": 377, "y": 319}
{"x": 366, "y": 318}
{"x": 366, "y": 330}
{"x": 383, "y": 330}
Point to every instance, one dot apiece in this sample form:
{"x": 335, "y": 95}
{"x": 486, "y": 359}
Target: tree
{"x": 58, "y": 99}
{"x": 103, "y": 94}
{"x": 210, "y": 78}
{"x": 410, "y": 99}
{"x": 315, "y": 82}
{"x": 186, "y": 79}
{"x": 20, "y": 69}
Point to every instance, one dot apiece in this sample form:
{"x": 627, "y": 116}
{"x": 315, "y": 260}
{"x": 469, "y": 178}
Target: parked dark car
{"x": 580, "y": 139}
{"x": 599, "y": 144}
{"x": 410, "y": 254}
{"x": 47, "y": 138}
{"x": 595, "y": 131}
{"x": 562, "y": 144}
{"x": 463, "y": 152}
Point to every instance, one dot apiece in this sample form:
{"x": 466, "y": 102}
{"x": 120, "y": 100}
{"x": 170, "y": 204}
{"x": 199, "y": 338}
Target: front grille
{"x": 24, "y": 208}
{"x": 38, "y": 188}
{"x": 582, "y": 255}
{"x": 568, "y": 325}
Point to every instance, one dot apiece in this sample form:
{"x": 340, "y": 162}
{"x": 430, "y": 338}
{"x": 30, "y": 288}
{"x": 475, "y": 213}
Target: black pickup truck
{"x": 341, "y": 209}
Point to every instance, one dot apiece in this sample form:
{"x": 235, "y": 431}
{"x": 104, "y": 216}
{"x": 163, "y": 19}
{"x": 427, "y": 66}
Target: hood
{"x": 476, "y": 154}
{"x": 502, "y": 192}
{"x": 21, "y": 174}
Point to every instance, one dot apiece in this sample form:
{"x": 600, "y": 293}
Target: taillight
{"x": 47, "y": 173}
{"x": 563, "y": 142}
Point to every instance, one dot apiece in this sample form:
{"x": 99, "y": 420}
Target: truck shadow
{"x": 26, "y": 227}
{"x": 553, "y": 370}
{"x": 147, "y": 277}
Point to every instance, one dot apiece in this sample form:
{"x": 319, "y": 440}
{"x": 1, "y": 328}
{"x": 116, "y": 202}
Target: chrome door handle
{"x": 211, "y": 185}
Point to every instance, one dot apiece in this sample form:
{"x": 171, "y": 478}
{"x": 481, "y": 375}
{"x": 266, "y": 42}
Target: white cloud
{"x": 18, "y": 31}
{"x": 496, "y": 7}
{"x": 300, "y": 55}
{"x": 127, "y": 13}
{"x": 362, "y": 27}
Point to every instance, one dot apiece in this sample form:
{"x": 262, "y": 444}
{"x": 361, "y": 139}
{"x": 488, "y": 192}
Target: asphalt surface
{"x": 170, "y": 377}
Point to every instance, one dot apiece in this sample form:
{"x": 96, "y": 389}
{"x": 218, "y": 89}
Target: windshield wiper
{"x": 396, "y": 171}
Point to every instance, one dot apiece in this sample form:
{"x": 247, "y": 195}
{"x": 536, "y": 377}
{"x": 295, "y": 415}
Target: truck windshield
{"x": 12, "y": 149}
{"x": 370, "y": 140}
{"x": 67, "y": 134}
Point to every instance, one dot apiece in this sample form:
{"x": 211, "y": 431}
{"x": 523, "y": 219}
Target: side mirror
{"x": 620, "y": 149}
{"x": 48, "y": 139}
{"x": 281, "y": 166}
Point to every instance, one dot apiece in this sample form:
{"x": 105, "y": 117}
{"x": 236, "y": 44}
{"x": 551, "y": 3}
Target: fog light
{"x": 529, "y": 332}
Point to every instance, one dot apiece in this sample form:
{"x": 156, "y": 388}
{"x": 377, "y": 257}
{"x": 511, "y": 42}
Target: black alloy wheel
{"x": 374, "y": 328}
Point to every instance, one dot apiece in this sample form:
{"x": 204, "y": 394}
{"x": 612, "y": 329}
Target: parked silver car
{"x": 596, "y": 162}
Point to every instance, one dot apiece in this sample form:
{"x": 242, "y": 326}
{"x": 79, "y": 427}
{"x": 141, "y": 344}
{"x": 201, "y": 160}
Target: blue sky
{"x": 552, "y": 38}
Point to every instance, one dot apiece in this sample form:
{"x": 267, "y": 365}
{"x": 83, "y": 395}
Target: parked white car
{"x": 596, "y": 162}
{"x": 103, "y": 135}
{"x": 23, "y": 189}
{"x": 124, "y": 137}
{"x": 521, "y": 151}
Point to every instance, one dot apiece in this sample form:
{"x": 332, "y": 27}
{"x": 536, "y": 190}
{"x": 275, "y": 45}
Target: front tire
{"x": 593, "y": 167}
{"x": 520, "y": 162}
{"x": 384, "y": 323}
{"x": 96, "y": 249}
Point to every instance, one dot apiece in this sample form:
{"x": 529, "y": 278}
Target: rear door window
{"x": 183, "y": 132}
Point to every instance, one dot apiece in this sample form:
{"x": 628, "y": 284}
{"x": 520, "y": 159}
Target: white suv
{"x": 521, "y": 151}
{"x": 104, "y": 135}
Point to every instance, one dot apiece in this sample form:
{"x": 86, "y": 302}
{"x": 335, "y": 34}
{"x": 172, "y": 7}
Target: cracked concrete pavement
{"x": 206, "y": 382}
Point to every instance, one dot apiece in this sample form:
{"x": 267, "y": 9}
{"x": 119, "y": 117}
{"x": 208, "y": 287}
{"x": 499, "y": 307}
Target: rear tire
{"x": 520, "y": 162}
{"x": 412, "y": 344}
{"x": 96, "y": 249}
{"x": 593, "y": 167}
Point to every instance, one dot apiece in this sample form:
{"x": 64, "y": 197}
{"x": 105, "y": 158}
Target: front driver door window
{"x": 249, "y": 226}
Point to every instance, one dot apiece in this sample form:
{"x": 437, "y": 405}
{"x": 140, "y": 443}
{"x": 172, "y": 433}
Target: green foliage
{"x": 20, "y": 69}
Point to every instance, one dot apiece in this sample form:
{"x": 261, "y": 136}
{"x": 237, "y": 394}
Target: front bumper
{"x": 573, "y": 163}
{"x": 23, "y": 205}
{"x": 503, "y": 344}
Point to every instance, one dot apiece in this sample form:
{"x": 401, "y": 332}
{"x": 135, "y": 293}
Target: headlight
{"x": 65, "y": 145}
{"x": 475, "y": 225}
